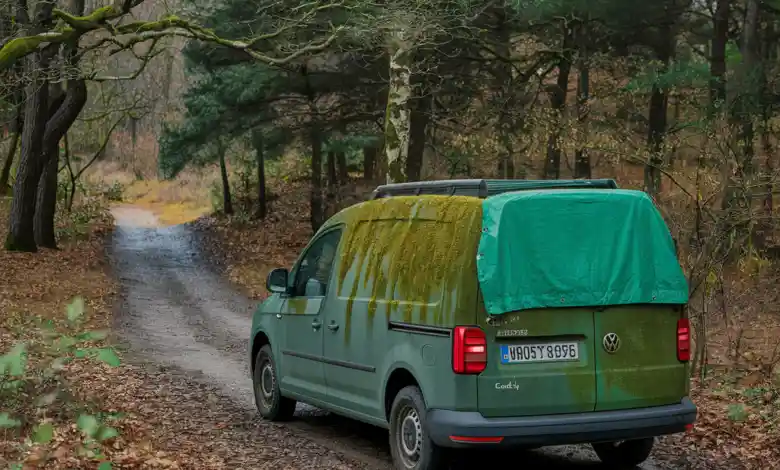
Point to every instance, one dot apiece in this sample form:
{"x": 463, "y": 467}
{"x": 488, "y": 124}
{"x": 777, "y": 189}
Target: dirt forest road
{"x": 176, "y": 312}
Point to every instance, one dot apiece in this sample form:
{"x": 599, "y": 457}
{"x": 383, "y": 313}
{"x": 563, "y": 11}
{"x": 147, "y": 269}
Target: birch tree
{"x": 410, "y": 31}
{"x": 398, "y": 115}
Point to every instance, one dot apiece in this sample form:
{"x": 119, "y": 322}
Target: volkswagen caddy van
{"x": 485, "y": 313}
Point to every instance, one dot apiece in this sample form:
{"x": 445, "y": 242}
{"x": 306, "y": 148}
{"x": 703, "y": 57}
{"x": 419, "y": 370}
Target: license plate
{"x": 542, "y": 352}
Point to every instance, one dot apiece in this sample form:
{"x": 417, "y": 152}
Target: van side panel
{"x": 405, "y": 275}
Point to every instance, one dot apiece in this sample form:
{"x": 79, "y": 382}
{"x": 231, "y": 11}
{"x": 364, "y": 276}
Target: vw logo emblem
{"x": 611, "y": 343}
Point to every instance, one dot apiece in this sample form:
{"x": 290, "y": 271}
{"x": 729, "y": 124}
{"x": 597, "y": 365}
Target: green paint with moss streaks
{"x": 412, "y": 254}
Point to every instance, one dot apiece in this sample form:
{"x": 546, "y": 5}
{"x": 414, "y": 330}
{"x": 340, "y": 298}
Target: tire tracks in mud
{"x": 176, "y": 312}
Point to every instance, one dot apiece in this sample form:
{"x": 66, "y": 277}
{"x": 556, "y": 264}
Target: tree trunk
{"x": 227, "y": 201}
{"x": 552, "y": 165}
{"x": 418, "y": 122}
{"x": 15, "y": 130}
{"x": 398, "y": 115}
{"x": 768, "y": 56}
{"x": 315, "y": 199}
{"x": 332, "y": 174}
{"x": 332, "y": 183}
{"x": 419, "y": 117}
{"x": 504, "y": 94}
{"x": 744, "y": 107}
{"x": 657, "y": 115}
{"x": 369, "y": 163}
{"x": 21, "y": 231}
{"x": 46, "y": 200}
{"x": 718, "y": 54}
{"x": 581, "y": 156}
{"x": 316, "y": 215}
{"x": 751, "y": 77}
{"x": 56, "y": 128}
{"x": 655, "y": 139}
{"x": 258, "y": 141}
{"x": 341, "y": 164}
{"x": 63, "y": 112}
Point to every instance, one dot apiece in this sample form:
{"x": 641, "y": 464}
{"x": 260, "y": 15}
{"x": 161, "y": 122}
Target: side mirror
{"x": 277, "y": 281}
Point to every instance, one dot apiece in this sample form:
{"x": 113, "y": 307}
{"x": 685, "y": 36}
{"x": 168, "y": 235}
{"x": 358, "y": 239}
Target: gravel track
{"x": 178, "y": 313}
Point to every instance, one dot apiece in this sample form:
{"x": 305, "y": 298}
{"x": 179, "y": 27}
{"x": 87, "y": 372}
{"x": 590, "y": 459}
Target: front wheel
{"x": 268, "y": 397}
{"x": 410, "y": 445}
{"x": 624, "y": 454}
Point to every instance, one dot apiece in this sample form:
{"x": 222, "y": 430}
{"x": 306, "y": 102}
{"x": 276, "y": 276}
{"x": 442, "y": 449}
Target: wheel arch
{"x": 399, "y": 376}
{"x": 259, "y": 340}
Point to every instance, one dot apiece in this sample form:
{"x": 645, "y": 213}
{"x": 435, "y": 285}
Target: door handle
{"x": 316, "y": 324}
{"x": 333, "y": 326}
{"x": 279, "y": 316}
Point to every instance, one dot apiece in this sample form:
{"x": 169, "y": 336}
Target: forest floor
{"x": 181, "y": 329}
{"x": 165, "y": 417}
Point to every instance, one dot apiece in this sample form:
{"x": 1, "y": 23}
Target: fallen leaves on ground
{"x": 166, "y": 421}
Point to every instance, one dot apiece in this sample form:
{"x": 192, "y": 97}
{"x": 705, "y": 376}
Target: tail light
{"x": 683, "y": 340}
{"x": 469, "y": 350}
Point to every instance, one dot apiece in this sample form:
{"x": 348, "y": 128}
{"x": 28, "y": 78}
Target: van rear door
{"x": 540, "y": 362}
{"x": 636, "y": 357}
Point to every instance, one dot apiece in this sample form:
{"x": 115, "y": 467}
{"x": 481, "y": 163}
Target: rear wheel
{"x": 268, "y": 397}
{"x": 410, "y": 445}
{"x": 624, "y": 454}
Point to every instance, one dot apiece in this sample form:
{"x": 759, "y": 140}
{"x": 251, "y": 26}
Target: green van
{"x": 485, "y": 313}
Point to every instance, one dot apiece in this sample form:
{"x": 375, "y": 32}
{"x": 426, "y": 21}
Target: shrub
{"x": 36, "y": 395}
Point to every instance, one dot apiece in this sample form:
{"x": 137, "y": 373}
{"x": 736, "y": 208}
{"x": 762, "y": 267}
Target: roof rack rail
{"x": 483, "y": 188}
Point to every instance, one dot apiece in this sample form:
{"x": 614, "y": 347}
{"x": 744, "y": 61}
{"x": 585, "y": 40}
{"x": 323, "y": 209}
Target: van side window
{"x": 314, "y": 270}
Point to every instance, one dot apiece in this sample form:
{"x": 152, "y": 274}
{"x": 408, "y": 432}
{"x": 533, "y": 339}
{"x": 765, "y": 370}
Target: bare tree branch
{"x": 72, "y": 28}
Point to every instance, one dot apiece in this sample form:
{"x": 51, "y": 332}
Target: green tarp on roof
{"x": 576, "y": 248}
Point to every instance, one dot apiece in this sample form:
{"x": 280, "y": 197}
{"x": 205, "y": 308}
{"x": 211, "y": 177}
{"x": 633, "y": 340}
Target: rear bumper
{"x": 536, "y": 431}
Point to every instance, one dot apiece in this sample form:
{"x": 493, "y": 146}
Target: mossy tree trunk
{"x": 15, "y": 129}
{"x": 21, "y": 230}
{"x": 46, "y": 200}
{"x": 62, "y": 114}
{"x": 398, "y": 115}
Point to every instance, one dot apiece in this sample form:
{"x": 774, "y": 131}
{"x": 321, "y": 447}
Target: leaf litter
{"x": 155, "y": 418}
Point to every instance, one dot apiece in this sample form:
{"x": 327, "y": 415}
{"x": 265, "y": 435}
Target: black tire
{"x": 624, "y": 454}
{"x": 270, "y": 403}
{"x": 413, "y": 450}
